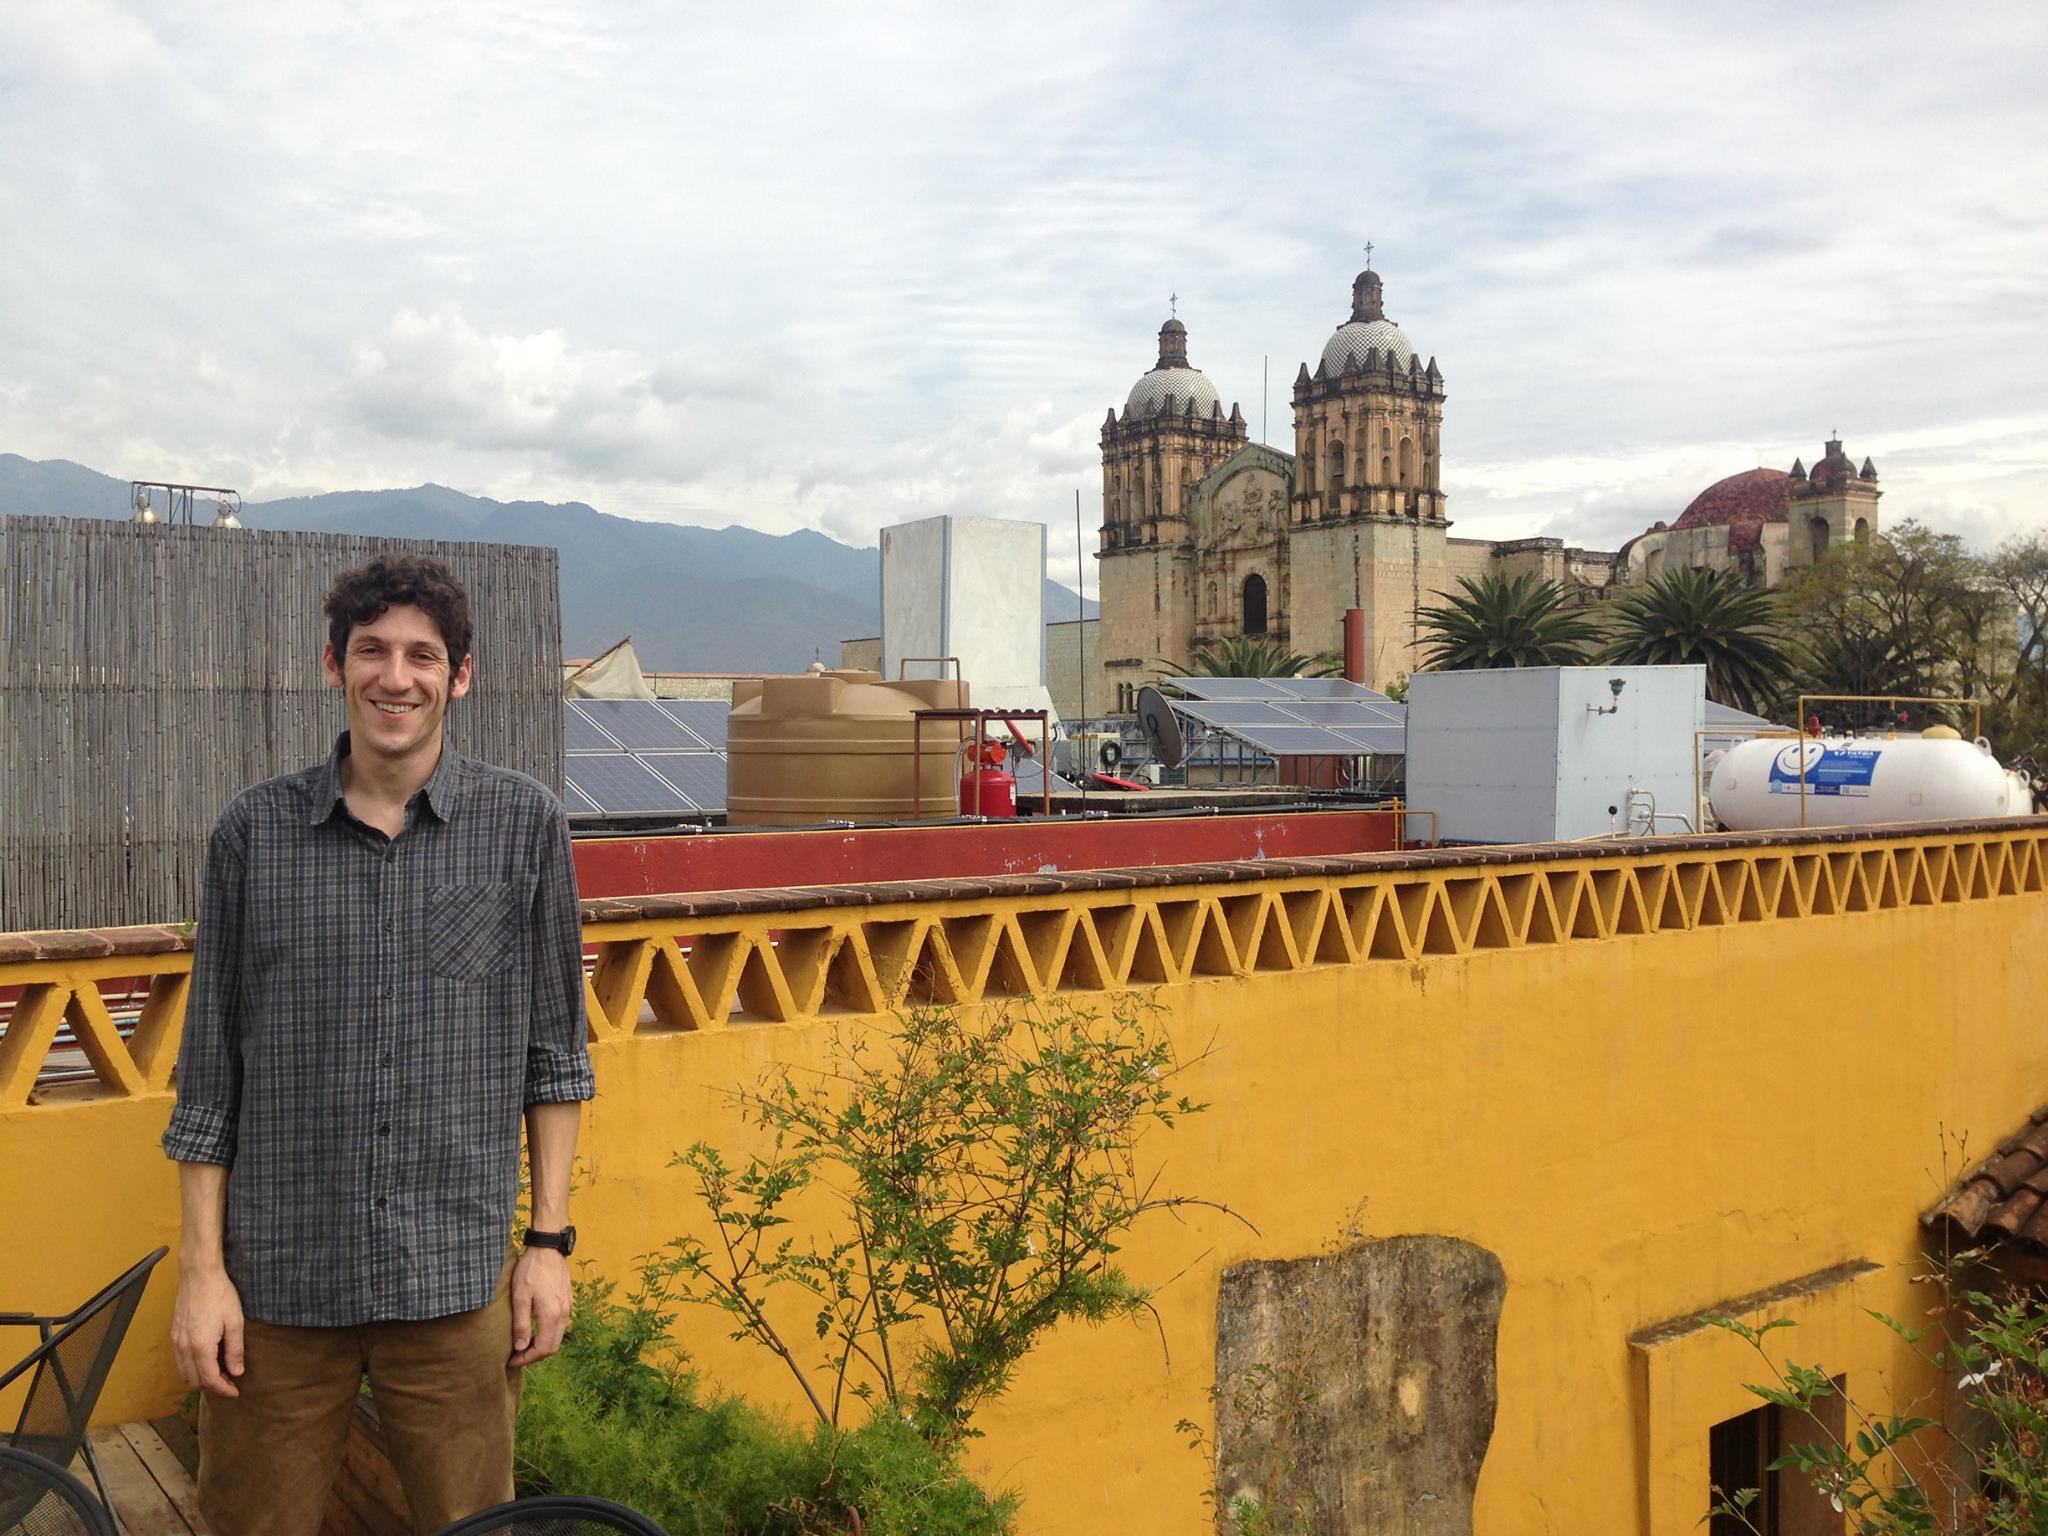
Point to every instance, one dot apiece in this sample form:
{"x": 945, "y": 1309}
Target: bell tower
{"x": 1171, "y": 433}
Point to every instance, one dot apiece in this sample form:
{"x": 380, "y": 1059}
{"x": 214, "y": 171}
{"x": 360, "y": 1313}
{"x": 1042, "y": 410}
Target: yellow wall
{"x": 1650, "y": 1082}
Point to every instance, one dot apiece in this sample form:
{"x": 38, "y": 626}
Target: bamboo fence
{"x": 149, "y": 673}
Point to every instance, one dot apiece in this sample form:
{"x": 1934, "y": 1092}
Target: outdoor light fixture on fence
{"x": 1615, "y": 685}
{"x": 227, "y": 512}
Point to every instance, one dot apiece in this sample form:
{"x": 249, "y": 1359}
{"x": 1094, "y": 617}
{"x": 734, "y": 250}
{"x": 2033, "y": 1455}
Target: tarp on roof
{"x": 614, "y": 675}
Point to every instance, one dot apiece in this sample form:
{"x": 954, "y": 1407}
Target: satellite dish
{"x": 1162, "y": 728}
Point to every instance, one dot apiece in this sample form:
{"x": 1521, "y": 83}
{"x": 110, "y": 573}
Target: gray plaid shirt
{"x": 368, "y": 1018}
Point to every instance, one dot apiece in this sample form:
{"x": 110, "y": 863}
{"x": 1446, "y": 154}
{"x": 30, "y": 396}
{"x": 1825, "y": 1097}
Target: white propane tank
{"x": 1857, "y": 780}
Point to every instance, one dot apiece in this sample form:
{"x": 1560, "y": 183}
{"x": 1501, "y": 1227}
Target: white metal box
{"x": 1540, "y": 754}
{"x": 971, "y": 587}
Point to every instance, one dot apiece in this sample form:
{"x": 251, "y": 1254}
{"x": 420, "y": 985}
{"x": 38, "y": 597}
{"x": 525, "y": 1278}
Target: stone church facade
{"x": 1763, "y": 524}
{"x": 1206, "y": 534}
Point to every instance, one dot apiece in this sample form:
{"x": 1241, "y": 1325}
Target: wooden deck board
{"x": 170, "y": 1474}
{"x": 138, "y": 1500}
{"x": 178, "y": 1433}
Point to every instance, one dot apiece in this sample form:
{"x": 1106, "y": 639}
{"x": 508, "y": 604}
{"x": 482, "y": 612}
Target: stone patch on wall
{"x": 1355, "y": 1390}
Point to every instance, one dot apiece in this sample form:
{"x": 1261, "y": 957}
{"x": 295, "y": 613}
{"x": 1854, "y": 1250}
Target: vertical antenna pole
{"x": 1080, "y": 631}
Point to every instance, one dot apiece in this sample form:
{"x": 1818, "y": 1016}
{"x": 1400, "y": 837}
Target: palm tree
{"x": 1690, "y": 614}
{"x": 1249, "y": 656}
{"x": 1505, "y": 621}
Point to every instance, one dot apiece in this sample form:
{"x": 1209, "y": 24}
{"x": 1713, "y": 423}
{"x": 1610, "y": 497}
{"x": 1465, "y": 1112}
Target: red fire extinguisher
{"x": 985, "y": 789}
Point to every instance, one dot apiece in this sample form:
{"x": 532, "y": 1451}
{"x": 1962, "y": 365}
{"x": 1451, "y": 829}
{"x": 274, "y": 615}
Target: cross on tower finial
{"x": 1173, "y": 305}
{"x": 1368, "y": 255}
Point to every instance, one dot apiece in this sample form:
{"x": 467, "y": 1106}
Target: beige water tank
{"x": 837, "y": 746}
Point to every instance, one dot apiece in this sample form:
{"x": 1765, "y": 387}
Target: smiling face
{"x": 397, "y": 681}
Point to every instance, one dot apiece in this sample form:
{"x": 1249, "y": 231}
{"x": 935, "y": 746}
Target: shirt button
{"x": 384, "y": 1129}
{"x": 387, "y": 1059}
{"x": 380, "y": 1202}
{"x": 390, "y": 992}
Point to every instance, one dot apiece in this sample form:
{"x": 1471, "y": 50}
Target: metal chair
{"x": 555, "y": 1515}
{"x": 39, "y": 1498}
{"x": 67, "y": 1370}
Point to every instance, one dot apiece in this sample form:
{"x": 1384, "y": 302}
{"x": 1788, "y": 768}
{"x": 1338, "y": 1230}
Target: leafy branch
{"x": 985, "y": 1176}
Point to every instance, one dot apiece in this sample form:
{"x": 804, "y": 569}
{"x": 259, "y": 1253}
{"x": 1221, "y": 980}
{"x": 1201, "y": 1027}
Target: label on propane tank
{"x": 1829, "y": 770}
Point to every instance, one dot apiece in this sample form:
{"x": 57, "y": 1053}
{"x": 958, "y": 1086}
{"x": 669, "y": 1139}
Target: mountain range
{"x": 694, "y": 599}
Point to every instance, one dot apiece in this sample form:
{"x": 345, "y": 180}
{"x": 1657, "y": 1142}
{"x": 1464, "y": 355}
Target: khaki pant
{"x": 445, "y": 1399}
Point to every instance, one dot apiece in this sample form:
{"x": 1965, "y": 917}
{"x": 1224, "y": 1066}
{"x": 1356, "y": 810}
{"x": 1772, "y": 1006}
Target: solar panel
{"x": 1380, "y": 740}
{"x": 585, "y": 735}
{"x": 619, "y": 785}
{"x": 1027, "y": 773}
{"x": 1327, "y": 688}
{"x": 1234, "y": 716}
{"x": 1724, "y": 717}
{"x": 577, "y": 802}
{"x": 1227, "y": 687}
{"x": 640, "y": 724}
{"x": 699, "y": 775}
{"x": 1297, "y": 741}
{"x": 1344, "y": 714}
{"x": 704, "y": 718}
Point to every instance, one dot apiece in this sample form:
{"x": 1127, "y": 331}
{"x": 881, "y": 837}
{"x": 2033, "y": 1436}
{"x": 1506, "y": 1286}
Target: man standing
{"x": 389, "y": 973}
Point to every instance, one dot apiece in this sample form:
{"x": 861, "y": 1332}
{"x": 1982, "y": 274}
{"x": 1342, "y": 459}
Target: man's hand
{"x": 540, "y": 1304}
{"x": 206, "y": 1331}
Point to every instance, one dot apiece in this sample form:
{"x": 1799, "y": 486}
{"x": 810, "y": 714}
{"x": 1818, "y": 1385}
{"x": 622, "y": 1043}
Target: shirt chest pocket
{"x": 472, "y": 929}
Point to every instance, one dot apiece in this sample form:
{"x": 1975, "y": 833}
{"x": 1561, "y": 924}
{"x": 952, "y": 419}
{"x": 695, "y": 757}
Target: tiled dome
{"x": 1184, "y": 384}
{"x": 1744, "y": 503}
{"x": 1173, "y": 375}
{"x": 1357, "y": 338}
{"x": 1835, "y": 467}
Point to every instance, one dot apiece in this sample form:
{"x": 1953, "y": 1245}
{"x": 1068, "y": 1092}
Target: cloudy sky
{"x": 835, "y": 266}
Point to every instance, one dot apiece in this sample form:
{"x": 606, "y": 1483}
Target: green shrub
{"x": 618, "y": 1415}
{"x": 982, "y": 1173}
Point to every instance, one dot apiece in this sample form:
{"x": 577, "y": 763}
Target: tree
{"x": 1694, "y": 615}
{"x": 1249, "y": 656}
{"x": 1912, "y": 613}
{"x": 2019, "y": 572}
{"x": 1506, "y": 621}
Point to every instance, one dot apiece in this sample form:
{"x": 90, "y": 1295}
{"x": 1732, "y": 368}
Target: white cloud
{"x": 853, "y": 265}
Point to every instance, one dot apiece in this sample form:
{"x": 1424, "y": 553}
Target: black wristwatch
{"x": 563, "y": 1242}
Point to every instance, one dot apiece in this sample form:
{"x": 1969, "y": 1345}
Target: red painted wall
{"x": 733, "y": 860}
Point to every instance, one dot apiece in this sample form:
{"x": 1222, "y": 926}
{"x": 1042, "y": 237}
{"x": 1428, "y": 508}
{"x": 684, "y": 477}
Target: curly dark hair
{"x": 362, "y": 596}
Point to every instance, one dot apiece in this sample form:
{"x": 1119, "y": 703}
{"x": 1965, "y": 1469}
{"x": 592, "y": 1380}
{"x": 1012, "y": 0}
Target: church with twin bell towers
{"x": 1207, "y": 535}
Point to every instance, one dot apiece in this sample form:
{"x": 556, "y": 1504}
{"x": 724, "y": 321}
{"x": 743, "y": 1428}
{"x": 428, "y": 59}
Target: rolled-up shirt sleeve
{"x": 557, "y": 1045}
{"x": 209, "y": 1077}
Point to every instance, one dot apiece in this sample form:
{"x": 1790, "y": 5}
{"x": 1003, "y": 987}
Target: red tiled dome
{"x": 1743, "y": 502}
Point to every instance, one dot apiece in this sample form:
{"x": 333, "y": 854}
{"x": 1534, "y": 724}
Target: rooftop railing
{"x": 97, "y": 1013}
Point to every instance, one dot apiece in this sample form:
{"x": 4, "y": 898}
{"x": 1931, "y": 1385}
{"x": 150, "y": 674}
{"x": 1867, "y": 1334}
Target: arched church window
{"x": 1336, "y": 469}
{"x": 1407, "y": 458}
{"x": 1819, "y": 528}
{"x": 1255, "y": 605}
{"x": 1862, "y": 531}
{"x": 1210, "y": 606}
{"x": 1386, "y": 469}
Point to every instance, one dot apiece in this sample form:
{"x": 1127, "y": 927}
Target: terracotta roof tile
{"x": 2004, "y": 1198}
{"x": 2013, "y": 1211}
